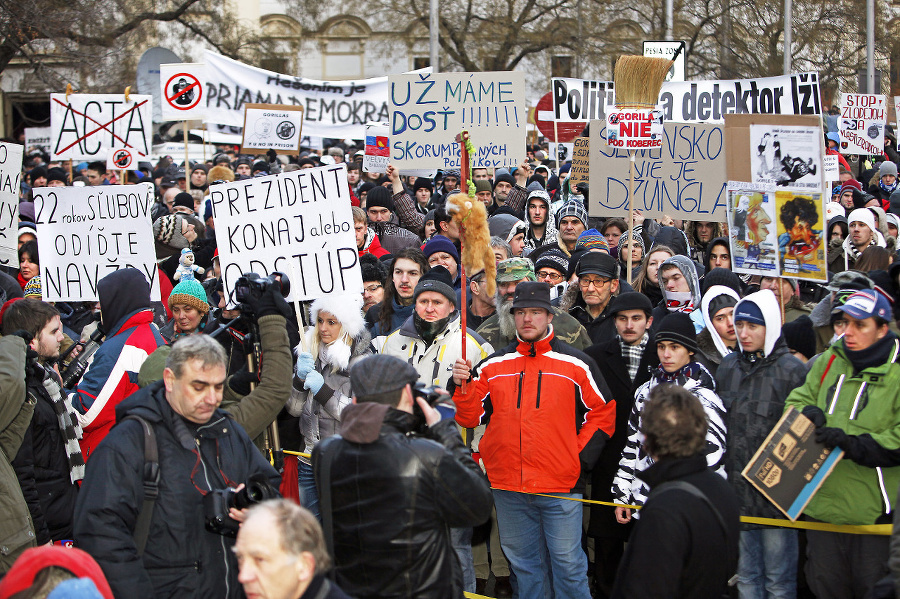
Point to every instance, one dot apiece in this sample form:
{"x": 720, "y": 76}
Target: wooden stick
{"x": 187, "y": 163}
{"x": 298, "y": 310}
{"x": 631, "y": 156}
{"x": 781, "y": 299}
{"x": 124, "y": 180}
{"x": 464, "y": 176}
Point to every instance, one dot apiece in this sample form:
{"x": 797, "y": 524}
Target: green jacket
{"x": 16, "y": 530}
{"x": 855, "y": 494}
{"x": 565, "y": 328}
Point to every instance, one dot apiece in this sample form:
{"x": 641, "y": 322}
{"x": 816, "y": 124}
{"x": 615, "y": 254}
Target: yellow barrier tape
{"x": 474, "y": 596}
{"x": 857, "y": 529}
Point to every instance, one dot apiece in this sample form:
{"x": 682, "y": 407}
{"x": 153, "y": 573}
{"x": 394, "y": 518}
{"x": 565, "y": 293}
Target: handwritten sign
{"x": 10, "y": 177}
{"x": 85, "y": 126}
{"x": 861, "y": 123}
{"x": 37, "y": 137}
{"x": 272, "y": 127}
{"x": 88, "y": 232}
{"x": 581, "y": 161}
{"x": 428, "y": 111}
{"x": 579, "y": 100}
{"x": 300, "y": 219}
{"x": 685, "y": 178}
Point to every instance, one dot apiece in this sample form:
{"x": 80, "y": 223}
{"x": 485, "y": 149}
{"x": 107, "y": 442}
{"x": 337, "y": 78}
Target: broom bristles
{"x": 638, "y": 80}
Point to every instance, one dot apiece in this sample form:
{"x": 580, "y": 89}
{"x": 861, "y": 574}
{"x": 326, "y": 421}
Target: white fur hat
{"x": 346, "y": 308}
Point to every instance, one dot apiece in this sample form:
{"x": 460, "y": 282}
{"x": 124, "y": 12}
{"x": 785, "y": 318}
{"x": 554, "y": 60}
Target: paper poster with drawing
{"x": 786, "y": 156}
{"x": 751, "y": 224}
{"x": 801, "y": 234}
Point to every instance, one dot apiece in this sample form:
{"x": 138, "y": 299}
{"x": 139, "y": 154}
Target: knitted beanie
{"x": 750, "y": 312}
{"x": 33, "y": 287}
{"x": 554, "y": 259}
{"x": 592, "y": 239}
{"x": 800, "y": 336}
{"x": 572, "y": 208}
{"x": 167, "y": 230}
{"x": 677, "y": 327}
{"x": 190, "y": 293}
{"x": 439, "y": 243}
{"x": 437, "y": 279}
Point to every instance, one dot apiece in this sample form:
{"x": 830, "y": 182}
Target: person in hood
{"x": 379, "y": 470}
{"x": 680, "y": 287}
{"x": 700, "y": 234}
{"x": 646, "y": 281}
{"x": 321, "y": 390}
{"x": 540, "y": 227}
{"x": 838, "y": 230}
{"x": 673, "y": 238}
{"x": 718, "y": 255}
{"x": 676, "y": 347}
{"x": 753, "y": 383}
{"x": 887, "y": 183}
{"x": 201, "y": 450}
{"x": 850, "y": 395}
{"x": 127, "y": 319}
{"x": 718, "y": 338}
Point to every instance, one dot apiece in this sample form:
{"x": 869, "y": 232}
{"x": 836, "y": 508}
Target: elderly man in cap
{"x": 500, "y": 329}
{"x": 376, "y": 470}
{"x": 598, "y": 283}
{"x": 850, "y": 394}
{"x": 526, "y": 394}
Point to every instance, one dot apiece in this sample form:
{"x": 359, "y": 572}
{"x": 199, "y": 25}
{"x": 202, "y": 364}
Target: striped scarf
{"x": 68, "y": 424}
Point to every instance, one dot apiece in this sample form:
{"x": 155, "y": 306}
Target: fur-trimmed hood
{"x": 348, "y": 310}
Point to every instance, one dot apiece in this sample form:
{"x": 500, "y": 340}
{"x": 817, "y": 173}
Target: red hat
{"x": 32, "y": 561}
{"x": 851, "y": 183}
{"x": 7, "y": 305}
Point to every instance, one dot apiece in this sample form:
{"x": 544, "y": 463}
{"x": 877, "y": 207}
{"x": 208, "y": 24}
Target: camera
{"x": 251, "y": 285}
{"x": 217, "y": 502}
{"x": 432, "y": 394}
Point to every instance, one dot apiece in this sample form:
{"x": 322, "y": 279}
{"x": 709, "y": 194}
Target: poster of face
{"x": 751, "y": 224}
{"x": 786, "y": 156}
{"x": 801, "y": 237}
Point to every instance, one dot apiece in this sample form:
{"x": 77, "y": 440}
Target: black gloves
{"x": 815, "y": 414}
{"x": 272, "y": 303}
{"x": 862, "y": 449}
{"x": 240, "y": 381}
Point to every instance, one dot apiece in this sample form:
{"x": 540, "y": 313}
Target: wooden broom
{"x": 638, "y": 80}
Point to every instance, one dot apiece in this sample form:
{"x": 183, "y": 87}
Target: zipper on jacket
{"x": 537, "y": 404}
{"x": 519, "y": 400}
{"x": 884, "y": 495}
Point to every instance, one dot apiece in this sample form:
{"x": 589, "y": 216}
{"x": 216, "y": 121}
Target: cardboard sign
{"x": 88, "y": 232}
{"x": 37, "y": 137}
{"x": 786, "y": 156}
{"x": 85, "y": 126}
{"x": 684, "y": 179}
{"x": 580, "y": 100}
{"x": 634, "y": 129}
{"x": 861, "y": 123}
{"x": 120, "y": 159}
{"x": 428, "y": 111}
{"x": 182, "y": 89}
{"x": 710, "y": 101}
{"x": 790, "y": 466}
{"x": 298, "y": 222}
{"x": 10, "y": 178}
{"x": 581, "y": 161}
{"x": 751, "y": 225}
{"x": 272, "y": 127}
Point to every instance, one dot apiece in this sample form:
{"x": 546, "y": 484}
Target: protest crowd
{"x": 442, "y": 442}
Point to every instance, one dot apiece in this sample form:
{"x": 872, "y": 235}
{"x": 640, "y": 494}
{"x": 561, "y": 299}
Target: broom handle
{"x": 464, "y": 175}
{"x": 630, "y": 212}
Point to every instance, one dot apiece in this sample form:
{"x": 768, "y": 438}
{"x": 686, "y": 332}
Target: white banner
{"x": 429, "y": 110}
{"x": 580, "y": 100}
{"x": 85, "y": 126}
{"x": 10, "y": 177}
{"x": 182, "y": 89}
{"x": 298, "y": 223}
{"x": 37, "y": 137}
{"x": 710, "y": 101}
{"x": 861, "y": 123}
{"x": 331, "y": 108}
{"x": 88, "y": 232}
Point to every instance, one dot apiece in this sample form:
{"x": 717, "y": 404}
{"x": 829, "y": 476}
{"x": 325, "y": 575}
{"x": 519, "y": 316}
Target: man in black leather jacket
{"x": 397, "y": 485}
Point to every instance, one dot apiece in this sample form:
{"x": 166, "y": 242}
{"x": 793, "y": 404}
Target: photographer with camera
{"x": 162, "y": 546}
{"x": 392, "y": 483}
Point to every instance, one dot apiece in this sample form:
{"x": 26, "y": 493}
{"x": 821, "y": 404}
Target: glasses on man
{"x": 597, "y": 282}
{"x": 373, "y": 287}
{"x": 549, "y": 275}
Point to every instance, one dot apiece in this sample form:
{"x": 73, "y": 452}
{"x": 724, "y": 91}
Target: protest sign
{"x": 801, "y": 234}
{"x": 85, "y": 126}
{"x": 634, "y": 129}
{"x": 580, "y": 100}
{"x": 272, "y": 127}
{"x": 710, "y": 101}
{"x": 831, "y": 166}
{"x": 786, "y": 156}
{"x": 667, "y": 50}
{"x": 298, "y": 222}
{"x": 10, "y": 177}
{"x": 120, "y": 159}
{"x": 182, "y": 91}
{"x": 581, "y": 162}
{"x": 684, "y": 179}
{"x": 428, "y": 111}
{"x": 377, "y": 154}
{"x": 861, "y": 123}
{"x": 790, "y": 465}
{"x": 751, "y": 218}
{"x": 88, "y": 232}
{"x": 331, "y": 108}
{"x": 561, "y": 151}
{"x": 37, "y": 137}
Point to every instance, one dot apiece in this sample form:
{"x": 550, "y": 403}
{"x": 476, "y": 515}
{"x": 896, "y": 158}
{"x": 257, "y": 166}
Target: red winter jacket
{"x": 546, "y": 412}
{"x": 374, "y": 247}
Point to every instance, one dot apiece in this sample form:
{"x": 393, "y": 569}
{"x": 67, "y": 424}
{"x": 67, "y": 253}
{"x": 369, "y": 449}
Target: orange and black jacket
{"x": 548, "y": 413}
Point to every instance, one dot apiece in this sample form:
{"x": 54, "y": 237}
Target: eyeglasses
{"x": 597, "y": 283}
{"x": 372, "y": 288}
{"x": 551, "y": 275}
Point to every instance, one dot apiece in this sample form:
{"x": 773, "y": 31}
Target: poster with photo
{"x": 786, "y": 156}
{"x": 751, "y": 224}
{"x": 801, "y": 234}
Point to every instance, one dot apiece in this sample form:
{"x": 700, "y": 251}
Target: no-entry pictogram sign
{"x": 121, "y": 159}
{"x": 182, "y": 91}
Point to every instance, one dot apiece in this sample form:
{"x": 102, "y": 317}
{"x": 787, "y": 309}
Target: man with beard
{"x": 863, "y": 233}
{"x": 431, "y": 341}
{"x": 540, "y": 228}
{"x": 500, "y": 329}
{"x": 481, "y": 305}
{"x": 700, "y": 233}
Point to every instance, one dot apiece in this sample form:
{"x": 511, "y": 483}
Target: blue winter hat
{"x": 439, "y": 243}
{"x": 749, "y": 312}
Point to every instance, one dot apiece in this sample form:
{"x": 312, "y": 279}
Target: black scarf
{"x": 429, "y": 330}
{"x": 875, "y": 355}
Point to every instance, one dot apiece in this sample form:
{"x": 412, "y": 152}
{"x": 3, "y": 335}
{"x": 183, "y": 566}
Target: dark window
{"x": 420, "y": 62}
{"x": 561, "y": 66}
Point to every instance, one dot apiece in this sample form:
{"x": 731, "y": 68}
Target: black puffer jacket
{"x": 182, "y": 558}
{"x": 395, "y": 496}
